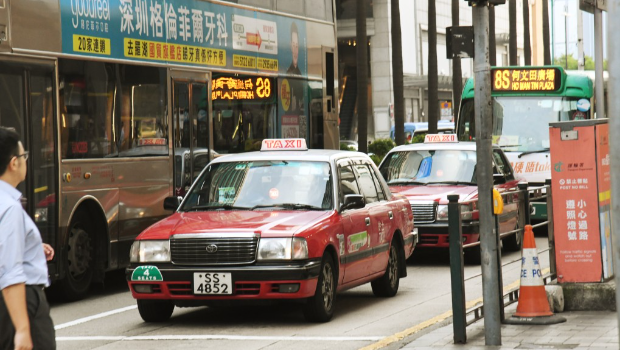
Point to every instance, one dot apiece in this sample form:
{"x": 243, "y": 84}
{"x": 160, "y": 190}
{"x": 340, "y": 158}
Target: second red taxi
{"x": 285, "y": 223}
{"x": 428, "y": 172}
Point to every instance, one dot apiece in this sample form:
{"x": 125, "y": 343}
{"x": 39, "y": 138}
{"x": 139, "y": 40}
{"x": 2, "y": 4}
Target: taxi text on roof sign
{"x": 284, "y": 145}
{"x": 435, "y": 138}
{"x": 526, "y": 79}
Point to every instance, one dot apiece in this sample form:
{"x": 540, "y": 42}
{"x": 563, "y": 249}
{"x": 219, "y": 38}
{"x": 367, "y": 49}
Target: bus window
{"x": 86, "y": 105}
{"x": 243, "y": 111}
{"x": 143, "y": 125}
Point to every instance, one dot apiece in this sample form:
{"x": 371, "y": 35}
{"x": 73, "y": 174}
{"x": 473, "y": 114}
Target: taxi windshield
{"x": 430, "y": 167}
{"x": 269, "y": 184}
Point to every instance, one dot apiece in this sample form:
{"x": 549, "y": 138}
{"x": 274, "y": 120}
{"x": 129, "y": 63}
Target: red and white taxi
{"x": 428, "y": 172}
{"x": 282, "y": 223}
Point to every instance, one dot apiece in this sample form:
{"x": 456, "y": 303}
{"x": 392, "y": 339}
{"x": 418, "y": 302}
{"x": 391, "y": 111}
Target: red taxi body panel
{"x": 427, "y": 173}
{"x": 358, "y": 259}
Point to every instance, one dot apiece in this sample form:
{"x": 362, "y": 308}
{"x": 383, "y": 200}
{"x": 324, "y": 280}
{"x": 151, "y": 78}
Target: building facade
{"x": 414, "y": 28}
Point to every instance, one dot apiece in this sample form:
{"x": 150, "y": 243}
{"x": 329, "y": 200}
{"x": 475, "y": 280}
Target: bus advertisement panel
{"x": 196, "y": 33}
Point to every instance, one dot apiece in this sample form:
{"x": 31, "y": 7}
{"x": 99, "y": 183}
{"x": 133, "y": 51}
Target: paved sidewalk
{"x": 582, "y": 330}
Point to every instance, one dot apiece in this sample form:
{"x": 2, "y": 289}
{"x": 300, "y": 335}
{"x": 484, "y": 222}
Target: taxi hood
{"x": 435, "y": 192}
{"x": 266, "y": 223}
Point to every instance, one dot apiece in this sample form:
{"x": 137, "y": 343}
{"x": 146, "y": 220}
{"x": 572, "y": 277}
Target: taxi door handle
{"x": 390, "y": 215}
{"x": 367, "y": 221}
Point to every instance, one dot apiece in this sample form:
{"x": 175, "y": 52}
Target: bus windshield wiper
{"x": 531, "y": 152}
{"x": 288, "y": 206}
{"x": 216, "y": 207}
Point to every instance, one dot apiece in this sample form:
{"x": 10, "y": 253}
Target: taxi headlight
{"x": 150, "y": 251}
{"x": 442, "y": 212}
{"x": 282, "y": 249}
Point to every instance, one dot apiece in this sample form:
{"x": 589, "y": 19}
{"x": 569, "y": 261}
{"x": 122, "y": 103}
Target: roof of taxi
{"x": 316, "y": 155}
{"x": 451, "y": 146}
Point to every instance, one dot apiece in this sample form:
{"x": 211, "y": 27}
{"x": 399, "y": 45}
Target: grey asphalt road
{"x": 108, "y": 318}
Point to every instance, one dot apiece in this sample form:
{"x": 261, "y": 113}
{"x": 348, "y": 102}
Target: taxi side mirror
{"x": 353, "y": 201}
{"x": 499, "y": 179}
{"x": 171, "y": 203}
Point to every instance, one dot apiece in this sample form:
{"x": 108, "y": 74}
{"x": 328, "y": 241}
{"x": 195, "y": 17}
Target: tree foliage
{"x": 573, "y": 64}
{"x": 381, "y": 147}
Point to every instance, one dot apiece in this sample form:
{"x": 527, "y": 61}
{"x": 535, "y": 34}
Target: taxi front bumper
{"x": 291, "y": 280}
{"x": 436, "y": 235}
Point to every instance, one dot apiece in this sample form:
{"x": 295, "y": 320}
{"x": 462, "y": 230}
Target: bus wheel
{"x": 387, "y": 285}
{"x": 320, "y": 307}
{"x": 155, "y": 310}
{"x": 80, "y": 257}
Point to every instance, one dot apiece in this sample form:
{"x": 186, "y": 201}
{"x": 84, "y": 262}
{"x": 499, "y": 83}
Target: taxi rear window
{"x": 248, "y": 184}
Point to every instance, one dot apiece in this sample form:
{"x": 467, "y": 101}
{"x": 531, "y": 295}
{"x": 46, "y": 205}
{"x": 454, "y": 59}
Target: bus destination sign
{"x": 526, "y": 79}
{"x": 247, "y": 88}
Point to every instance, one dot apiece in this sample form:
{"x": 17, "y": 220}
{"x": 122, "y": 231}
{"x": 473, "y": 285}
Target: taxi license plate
{"x": 212, "y": 283}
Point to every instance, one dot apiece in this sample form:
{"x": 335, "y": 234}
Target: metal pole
{"x": 566, "y": 35}
{"x": 580, "y": 54}
{"x": 550, "y": 232}
{"x": 457, "y": 271}
{"x": 613, "y": 52}
{"x": 552, "y": 32}
{"x": 598, "y": 62}
{"x": 484, "y": 153}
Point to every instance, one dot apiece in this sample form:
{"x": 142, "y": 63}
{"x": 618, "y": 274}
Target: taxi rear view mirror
{"x": 171, "y": 203}
{"x": 353, "y": 201}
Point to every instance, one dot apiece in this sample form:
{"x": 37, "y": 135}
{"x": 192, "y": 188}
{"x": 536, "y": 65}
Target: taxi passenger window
{"x": 367, "y": 184}
{"x": 380, "y": 193}
{"x": 348, "y": 184}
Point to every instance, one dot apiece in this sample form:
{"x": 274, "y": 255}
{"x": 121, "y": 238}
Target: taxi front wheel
{"x": 387, "y": 285}
{"x": 155, "y": 310}
{"x": 320, "y": 307}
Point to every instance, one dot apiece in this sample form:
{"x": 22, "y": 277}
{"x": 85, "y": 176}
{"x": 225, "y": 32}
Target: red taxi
{"x": 428, "y": 172}
{"x": 285, "y": 223}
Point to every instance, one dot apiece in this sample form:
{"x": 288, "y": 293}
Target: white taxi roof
{"x": 450, "y": 146}
{"x": 311, "y": 155}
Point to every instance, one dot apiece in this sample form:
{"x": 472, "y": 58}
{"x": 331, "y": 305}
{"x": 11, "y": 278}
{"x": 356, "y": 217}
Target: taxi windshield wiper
{"x": 288, "y": 206}
{"x": 216, "y": 207}
{"x": 531, "y": 152}
{"x": 407, "y": 182}
{"x": 453, "y": 183}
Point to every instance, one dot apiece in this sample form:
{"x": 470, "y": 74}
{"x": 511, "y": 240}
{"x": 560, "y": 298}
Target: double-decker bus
{"x": 525, "y": 101}
{"x": 115, "y": 99}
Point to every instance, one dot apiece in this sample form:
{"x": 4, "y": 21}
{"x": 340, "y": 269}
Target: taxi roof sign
{"x": 284, "y": 145}
{"x": 438, "y": 138}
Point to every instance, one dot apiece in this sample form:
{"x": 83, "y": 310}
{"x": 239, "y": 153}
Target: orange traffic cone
{"x": 533, "y": 307}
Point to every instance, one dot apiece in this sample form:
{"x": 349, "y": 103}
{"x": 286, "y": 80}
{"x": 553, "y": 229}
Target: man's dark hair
{"x": 9, "y": 146}
{"x": 294, "y": 30}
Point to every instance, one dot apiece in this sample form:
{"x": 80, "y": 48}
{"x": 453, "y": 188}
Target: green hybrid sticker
{"x": 146, "y": 273}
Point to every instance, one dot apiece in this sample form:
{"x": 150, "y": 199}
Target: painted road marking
{"x": 94, "y": 317}
{"x": 215, "y": 337}
{"x": 383, "y": 341}
{"x": 412, "y": 330}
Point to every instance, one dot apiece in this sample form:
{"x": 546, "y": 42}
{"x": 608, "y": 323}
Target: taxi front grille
{"x": 213, "y": 251}
{"x": 423, "y": 212}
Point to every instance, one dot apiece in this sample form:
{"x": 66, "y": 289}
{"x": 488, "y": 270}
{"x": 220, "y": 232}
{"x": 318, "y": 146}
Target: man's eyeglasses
{"x": 25, "y": 155}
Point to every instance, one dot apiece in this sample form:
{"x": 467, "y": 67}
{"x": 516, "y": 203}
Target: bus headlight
{"x": 150, "y": 251}
{"x": 282, "y": 249}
